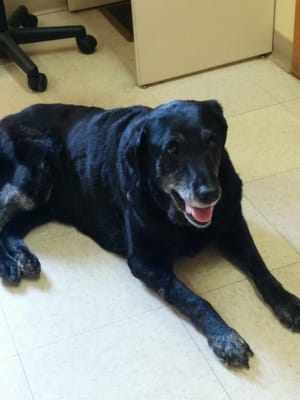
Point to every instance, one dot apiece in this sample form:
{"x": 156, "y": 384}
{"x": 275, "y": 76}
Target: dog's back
{"x": 67, "y": 155}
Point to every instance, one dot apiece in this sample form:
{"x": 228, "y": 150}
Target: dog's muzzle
{"x": 197, "y": 213}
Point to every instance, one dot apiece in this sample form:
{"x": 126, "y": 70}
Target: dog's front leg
{"x": 150, "y": 261}
{"x": 237, "y": 244}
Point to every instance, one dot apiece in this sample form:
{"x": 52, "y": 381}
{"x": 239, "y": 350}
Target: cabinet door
{"x": 81, "y": 4}
{"x": 174, "y": 38}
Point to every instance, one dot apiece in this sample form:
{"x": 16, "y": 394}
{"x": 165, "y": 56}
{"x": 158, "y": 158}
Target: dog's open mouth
{"x": 200, "y": 216}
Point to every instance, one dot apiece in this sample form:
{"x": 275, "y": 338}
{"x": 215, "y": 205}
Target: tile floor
{"x": 88, "y": 330}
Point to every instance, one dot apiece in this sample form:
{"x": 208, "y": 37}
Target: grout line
{"x": 274, "y": 227}
{"x": 89, "y": 330}
{"x": 203, "y": 355}
{"x": 245, "y": 279}
{"x": 26, "y": 377}
{"x": 155, "y": 96}
{"x": 227, "y": 116}
{"x": 270, "y": 176}
{"x": 286, "y": 102}
{"x": 17, "y": 355}
{"x": 285, "y": 266}
{"x": 9, "y": 328}
{"x": 269, "y": 92}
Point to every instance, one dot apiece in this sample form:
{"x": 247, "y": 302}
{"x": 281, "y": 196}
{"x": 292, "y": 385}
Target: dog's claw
{"x": 250, "y": 352}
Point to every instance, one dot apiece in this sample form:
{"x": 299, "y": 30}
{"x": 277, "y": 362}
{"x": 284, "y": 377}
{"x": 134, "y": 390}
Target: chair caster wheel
{"x": 37, "y": 83}
{"x": 86, "y": 44}
{"x": 30, "y": 21}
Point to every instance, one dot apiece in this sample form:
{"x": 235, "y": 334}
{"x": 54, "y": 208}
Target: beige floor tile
{"x": 293, "y": 107}
{"x": 209, "y": 270}
{"x": 14, "y": 93}
{"x": 48, "y": 231}
{"x": 274, "y": 370}
{"x": 149, "y": 357}
{"x": 271, "y": 78}
{"x": 277, "y": 197}
{"x": 7, "y": 347}
{"x": 264, "y": 142}
{"x": 82, "y": 287}
{"x": 233, "y": 90}
{"x": 13, "y": 383}
{"x": 105, "y": 78}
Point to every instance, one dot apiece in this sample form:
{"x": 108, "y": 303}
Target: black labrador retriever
{"x": 149, "y": 184}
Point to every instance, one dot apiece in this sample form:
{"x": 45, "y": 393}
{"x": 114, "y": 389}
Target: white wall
{"x": 284, "y": 18}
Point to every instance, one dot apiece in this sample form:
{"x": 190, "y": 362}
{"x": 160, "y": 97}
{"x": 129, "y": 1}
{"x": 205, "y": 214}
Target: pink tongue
{"x": 200, "y": 214}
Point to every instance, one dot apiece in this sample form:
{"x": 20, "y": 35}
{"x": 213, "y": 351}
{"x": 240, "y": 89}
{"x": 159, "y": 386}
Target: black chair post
{"x": 3, "y": 20}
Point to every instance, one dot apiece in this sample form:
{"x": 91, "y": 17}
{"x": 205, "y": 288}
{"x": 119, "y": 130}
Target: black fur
{"x": 142, "y": 183}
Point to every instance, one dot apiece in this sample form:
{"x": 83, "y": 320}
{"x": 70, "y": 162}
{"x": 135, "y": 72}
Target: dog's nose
{"x": 208, "y": 194}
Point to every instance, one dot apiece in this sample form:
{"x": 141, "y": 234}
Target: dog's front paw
{"x": 22, "y": 263}
{"x": 288, "y": 312}
{"x": 231, "y": 349}
{"x": 9, "y": 270}
{"x": 28, "y": 263}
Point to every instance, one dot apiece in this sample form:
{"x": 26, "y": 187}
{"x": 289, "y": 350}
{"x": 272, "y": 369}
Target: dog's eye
{"x": 173, "y": 148}
{"x": 212, "y": 145}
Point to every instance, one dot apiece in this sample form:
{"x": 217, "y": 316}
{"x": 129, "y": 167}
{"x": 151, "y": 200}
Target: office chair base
{"x": 21, "y": 27}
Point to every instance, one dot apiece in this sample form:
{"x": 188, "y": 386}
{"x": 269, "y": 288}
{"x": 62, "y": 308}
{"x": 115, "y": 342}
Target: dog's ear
{"x": 218, "y": 111}
{"x": 136, "y": 149}
{"x": 217, "y": 118}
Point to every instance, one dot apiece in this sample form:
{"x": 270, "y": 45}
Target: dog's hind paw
{"x": 231, "y": 349}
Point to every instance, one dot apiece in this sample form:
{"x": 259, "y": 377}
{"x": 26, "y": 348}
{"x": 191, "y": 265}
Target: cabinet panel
{"x": 174, "y": 38}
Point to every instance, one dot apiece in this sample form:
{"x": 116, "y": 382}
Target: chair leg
{"x": 36, "y": 80}
{"x": 16, "y": 54}
{"x": 30, "y": 35}
{"x": 86, "y": 43}
{"x": 18, "y": 17}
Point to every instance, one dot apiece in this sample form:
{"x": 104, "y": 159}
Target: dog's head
{"x": 183, "y": 145}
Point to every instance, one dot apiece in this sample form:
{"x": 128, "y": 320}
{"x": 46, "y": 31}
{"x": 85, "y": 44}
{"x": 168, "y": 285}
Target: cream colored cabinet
{"x": 174, "y": 38}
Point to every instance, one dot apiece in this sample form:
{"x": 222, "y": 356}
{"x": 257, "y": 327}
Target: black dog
{"x": 149, "y": 184}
